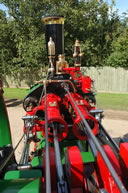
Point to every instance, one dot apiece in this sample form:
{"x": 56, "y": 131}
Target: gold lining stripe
{"x": 53, "y": 20}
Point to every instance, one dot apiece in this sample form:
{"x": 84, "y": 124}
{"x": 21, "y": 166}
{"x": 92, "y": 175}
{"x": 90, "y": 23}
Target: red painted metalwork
{"x": 52, "y": 170}
{"x": 75, "y": 72}
{"x": 107, "y": 180}
{"x": 85, "y": 185}
{"x": 74, "y": 168}
{"x": 123, "y": 159}
{"x": 84, "y": 108}
{"x": 83, "y": 81}
{"x": 53, "y": 116}
{"x": 86, "y": 84}
{"x": 44, "y": 175}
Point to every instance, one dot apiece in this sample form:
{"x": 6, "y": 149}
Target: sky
{"x": 121, "y": 5}
{"x": 4, "y": 8}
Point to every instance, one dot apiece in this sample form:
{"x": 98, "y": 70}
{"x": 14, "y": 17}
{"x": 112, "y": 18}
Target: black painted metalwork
{"x": 55, "y": 29}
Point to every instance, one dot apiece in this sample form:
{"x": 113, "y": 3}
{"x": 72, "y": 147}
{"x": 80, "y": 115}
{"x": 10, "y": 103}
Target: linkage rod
{"x": 92, "y": 146}
{"x": 27, "y": 153}
{"x": 22, "y": 160}
{"x": 61, "y": 184}
{"x": 99, "y": 148}
{"x": 58, "y": 158}
{"x": 47, "y": 160}
{"x": 109, "y": 137}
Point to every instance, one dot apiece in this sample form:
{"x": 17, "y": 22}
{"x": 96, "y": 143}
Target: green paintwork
{"x": 63, "y": 157}
{"x": 21, "y": 186}
{"x": 18, "y": 174}
{"x": 37, "y": 161}
{"x": 41, "y": 144}
{"x": 5, "y": 135}
{"x": 34, "y": 87}
{"x": 87, "y": 157}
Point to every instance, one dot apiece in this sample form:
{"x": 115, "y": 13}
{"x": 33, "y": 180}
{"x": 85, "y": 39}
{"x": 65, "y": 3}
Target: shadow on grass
{"x": 13, "y": 102}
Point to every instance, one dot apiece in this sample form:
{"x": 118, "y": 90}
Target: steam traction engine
{"x": 73, "y": 153}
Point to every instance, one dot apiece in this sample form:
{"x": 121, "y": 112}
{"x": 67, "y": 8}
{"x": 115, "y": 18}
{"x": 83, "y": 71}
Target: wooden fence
{"x": 107, "y": 79}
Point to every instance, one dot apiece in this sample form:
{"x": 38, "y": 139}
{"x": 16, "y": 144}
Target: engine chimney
{"x": 55, "y": 30}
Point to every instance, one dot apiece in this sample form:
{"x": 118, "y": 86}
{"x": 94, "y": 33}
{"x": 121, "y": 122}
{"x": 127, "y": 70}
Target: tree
{"x": 88, "y": 21}
{"x": 6, "y": 44}
{"x": 119, "y": 56}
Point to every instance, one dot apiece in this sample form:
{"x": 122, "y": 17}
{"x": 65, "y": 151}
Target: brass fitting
{"x": 60, "y": 64}
{"x": 51, "y": 55}
{"x": 51, "y": 48}
{"x": 54, "y": 20}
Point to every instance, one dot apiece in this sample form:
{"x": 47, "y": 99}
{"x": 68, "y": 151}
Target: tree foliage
{"x": 7, "y": 49}
{"x": 119, "y": 54}
{"x": 94, "y": 23}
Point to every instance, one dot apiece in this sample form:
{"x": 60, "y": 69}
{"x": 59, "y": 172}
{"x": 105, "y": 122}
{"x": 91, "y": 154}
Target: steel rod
{"x": 61, "y": 184}
{"x": 109, "y": 137}
{"x": 24, "y": 150}
{"x": 92, "y": 146}
{"x": 58, "y": 157}
{"x": 47, "y": 160}
{"x": 99, "y": 148}
{"x": 27, "y": 153}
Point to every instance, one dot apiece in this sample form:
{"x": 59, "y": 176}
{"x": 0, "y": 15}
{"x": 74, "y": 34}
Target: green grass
{"x": 15, "y": 93}
{"x": 112, "y": 101}
{"x": 104, "y": 100}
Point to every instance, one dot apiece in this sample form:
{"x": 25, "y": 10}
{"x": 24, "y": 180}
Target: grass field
{"x": 104, "y": 100}
{"x": 15, "y": 93}
{"x": 112, "y": 101}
